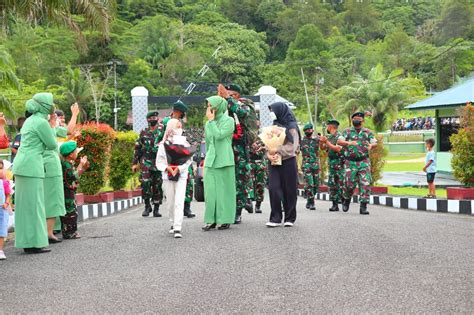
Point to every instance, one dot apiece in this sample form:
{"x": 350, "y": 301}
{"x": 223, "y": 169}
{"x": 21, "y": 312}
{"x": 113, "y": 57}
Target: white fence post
{"x": 139, "y": 108}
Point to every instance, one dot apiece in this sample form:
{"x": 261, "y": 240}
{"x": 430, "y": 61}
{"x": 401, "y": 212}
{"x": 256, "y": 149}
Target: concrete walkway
{"x": 416, "y": 179}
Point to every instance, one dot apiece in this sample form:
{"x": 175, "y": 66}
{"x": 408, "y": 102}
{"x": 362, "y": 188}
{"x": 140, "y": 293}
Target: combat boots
{"x": 156, "y": 210}
{"x": 311, "y": 204}
{"x": 148, "y": 209}
{"x": 187, "y": 210}
{"x": 363, "y": 208}
{"x": 345, "y": 204}
{"x": 249, "y": 206}
{"x": 238, "y": 216}
{"x": 308, "y": 203}
{"x": 334, "y": 207}
{"x": 258, "y": 205}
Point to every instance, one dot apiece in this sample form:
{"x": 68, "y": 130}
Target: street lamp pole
{"x": 318, "y": 83}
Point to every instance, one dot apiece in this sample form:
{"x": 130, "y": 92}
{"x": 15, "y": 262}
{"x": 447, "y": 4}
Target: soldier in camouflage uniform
{"x": 245, "y": 134}
{"x": 69, "y": 152}
{"x": 358, "y": 141}
{"x": 179, "y": 112}
{"x": 258, "y": 164}
{"x": 309, "y": 147}
{"x": 335, "y": 163}
{"x": 146, "y": 148}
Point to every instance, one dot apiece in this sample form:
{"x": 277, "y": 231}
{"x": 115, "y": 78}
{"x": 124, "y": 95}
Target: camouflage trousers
{"x": 152, "y": 183}
{"x": 259, "y": 174}
{"x": 189, "y": 185}
{"x": 311, "y": 180}
{"x": 336, "y": 180}
{"x": 243, "y": 177}
{"x": 357, "y": 174}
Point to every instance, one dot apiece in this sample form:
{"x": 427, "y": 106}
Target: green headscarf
{"x": 219, "y": 105}
{"x": 40, "y": 103}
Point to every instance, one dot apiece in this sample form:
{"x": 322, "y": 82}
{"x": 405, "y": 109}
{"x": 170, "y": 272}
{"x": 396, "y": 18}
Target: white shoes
{"x": 2, "y": 255}
{"x": 177, "y": 234}
{"x": 171, "y": 231}
{"x": 288, "y": 224}
{"x": 272, "y": 224}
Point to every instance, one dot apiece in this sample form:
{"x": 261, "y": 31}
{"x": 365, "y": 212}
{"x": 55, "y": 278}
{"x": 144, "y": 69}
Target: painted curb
{"x": 413, "y": 203}
{"x": 98, "y": 210}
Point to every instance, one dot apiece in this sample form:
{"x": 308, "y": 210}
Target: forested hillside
{"x": 375, "y": 55}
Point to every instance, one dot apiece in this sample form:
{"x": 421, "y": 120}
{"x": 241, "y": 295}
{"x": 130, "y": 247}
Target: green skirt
{"x": 30, "y": 218}
{"x": 54, "y": 197}
{"x": 219, "y": 195}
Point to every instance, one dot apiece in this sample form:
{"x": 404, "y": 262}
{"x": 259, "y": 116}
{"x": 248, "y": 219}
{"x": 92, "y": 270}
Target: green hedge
{"x": 121, "y": 159}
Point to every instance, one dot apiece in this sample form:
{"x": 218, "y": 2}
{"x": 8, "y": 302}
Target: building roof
{"x": 457, "y": 95}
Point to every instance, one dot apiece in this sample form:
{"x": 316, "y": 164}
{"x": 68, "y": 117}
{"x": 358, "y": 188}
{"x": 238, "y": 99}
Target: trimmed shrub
{"x": 96, "y": 139}
{"x": 377, "y": 159}
{"x": 121, "y": 159}
{"x": 462, "y": 148}
{"x": 323, "y": 166}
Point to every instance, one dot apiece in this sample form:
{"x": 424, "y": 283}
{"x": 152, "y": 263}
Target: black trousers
{"x": 283, "y": 188}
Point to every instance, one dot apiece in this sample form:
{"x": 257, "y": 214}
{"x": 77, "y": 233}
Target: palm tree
{"x": 97, "y": 13}
{"x": 8, "y": 80}
{"x": 77, "y": 89}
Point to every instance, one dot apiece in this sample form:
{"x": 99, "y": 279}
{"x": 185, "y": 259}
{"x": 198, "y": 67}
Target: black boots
{"x": 310, "y": 204}
{"x": 156, "y": 210}
{"x": 148, "y": 209}
{"x": 363, "y": 208}
{"x": 258, "y": 205}
{"x": 249, "y": 206}
{"x": 345, "y": 204}
{"x": 238, "y": 216}
{"x": 187, "y": 210}
{"x": 334, "y": 207}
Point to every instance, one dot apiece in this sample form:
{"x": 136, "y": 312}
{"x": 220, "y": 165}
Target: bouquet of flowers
{"x": 178, "y": 153}
{"x": 273, "y": 138}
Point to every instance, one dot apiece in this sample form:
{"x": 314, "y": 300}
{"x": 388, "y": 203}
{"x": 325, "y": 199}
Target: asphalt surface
{"x": 393, "y": 261}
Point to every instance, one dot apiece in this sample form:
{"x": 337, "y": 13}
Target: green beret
{"x": 234, "y": 87}
{"x": 332, "y": 122}
{"x": 179, "y": 105}
{"x": 358, "y": 114}
{"x": 152, "y": 113}
{"x": 67, "y": 148}
{"x": 308, "y": 126}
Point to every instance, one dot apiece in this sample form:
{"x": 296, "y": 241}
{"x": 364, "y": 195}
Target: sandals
{"x": 74, "y": 236}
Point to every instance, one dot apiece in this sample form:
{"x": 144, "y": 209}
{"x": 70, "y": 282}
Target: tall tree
{"x": 8, "y": 80}
{"x": 457, "y": 18}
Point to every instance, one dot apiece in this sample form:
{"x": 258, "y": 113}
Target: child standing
{"x": 174, "y": 176}
{"x": 430, "y": 168}
{"x": 5, "y": 210}
{"x": 69, "y": 152}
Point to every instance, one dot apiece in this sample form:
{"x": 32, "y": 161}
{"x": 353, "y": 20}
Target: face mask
{"x": 308, "y": 133}
{"x": 356, "y": 123}
{"x": 153, "y": 123}
{"x": 328, "y": 131}
{"x": 273, "y": 116}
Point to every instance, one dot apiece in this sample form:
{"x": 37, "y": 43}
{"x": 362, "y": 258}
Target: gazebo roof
{"x": 456, "y": 96}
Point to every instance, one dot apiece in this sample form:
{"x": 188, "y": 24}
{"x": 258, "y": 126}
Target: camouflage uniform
{"x": 70, "y": 181}
{"x": 146, "y": 148}
{"x": 258, "y": 164}
{"x": 336, "y": 170}
{"x": 310, "y": 165}
{"x": 357, "y": 164}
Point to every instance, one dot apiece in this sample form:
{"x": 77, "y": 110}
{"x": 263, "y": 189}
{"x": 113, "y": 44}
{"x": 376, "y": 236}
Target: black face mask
{"x": 328, "y": 131}
{"x": 309, "y": 134}
{"x": 153, "y": 123}
{"x": 356, "y": 123}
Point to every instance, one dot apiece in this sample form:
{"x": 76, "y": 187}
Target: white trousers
{"x": 175, "y": 194}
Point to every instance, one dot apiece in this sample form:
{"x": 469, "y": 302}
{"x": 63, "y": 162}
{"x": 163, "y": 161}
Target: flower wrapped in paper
{"x": 178, "y": 153}
{"x": 273, "y": 138}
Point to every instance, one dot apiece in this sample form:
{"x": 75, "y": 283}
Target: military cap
{"x": 358, "y": 114}
{"x": 152, "y": 113}
{"x": 332, "y": 122}
{"x": 234, "y": 87}
{"x": 179, "y": 105}
{"x": 308, "y": 126}
{"x": 68, "y": 147}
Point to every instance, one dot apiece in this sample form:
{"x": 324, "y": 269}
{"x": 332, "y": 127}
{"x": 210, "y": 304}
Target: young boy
{"x": 69, "y": 152}
{"x": 430, "y": 168}
{"x": 5, "y": 209}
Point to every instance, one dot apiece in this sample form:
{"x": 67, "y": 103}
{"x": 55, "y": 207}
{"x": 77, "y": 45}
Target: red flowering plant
{"x": 97, "y": 140}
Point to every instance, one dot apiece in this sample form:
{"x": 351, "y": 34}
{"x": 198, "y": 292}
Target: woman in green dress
{"x": 219, "y": 170}
{"x": 37, "y": 136}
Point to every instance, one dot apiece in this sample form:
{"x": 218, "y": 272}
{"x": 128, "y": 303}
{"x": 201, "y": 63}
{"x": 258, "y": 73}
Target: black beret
{"x": 358, "y": 114}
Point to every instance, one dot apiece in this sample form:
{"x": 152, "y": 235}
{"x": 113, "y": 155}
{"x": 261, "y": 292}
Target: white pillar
{"x": 267, "y": 97}
{"x": 139, "y": 108}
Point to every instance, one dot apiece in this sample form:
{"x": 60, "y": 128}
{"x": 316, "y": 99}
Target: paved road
{"x": 393, "y": 261}
{"x": 416, "y": 179}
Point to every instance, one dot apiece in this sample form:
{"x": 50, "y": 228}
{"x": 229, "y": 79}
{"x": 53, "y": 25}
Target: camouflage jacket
{"x": 333, "y": 155}
{"x": 363, "y": 138}
{"x": 146, "y": 146}
{"x": 245, "y": 112}
{"x": 70, "y": 179}
{"x": 310, "y": 150}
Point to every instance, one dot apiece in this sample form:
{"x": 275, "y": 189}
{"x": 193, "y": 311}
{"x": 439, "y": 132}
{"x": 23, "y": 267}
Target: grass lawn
{"x": 413, "y": 191}
{"x": 404, "y": 167}
{"x": 404, "y": 156}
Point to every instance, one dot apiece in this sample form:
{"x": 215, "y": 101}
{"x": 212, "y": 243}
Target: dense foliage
{"x": 373, "y": 55}
{"x": 377, "y": 159}
{"x": 463, "y": 148}
{"x": 121, "y": 159}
